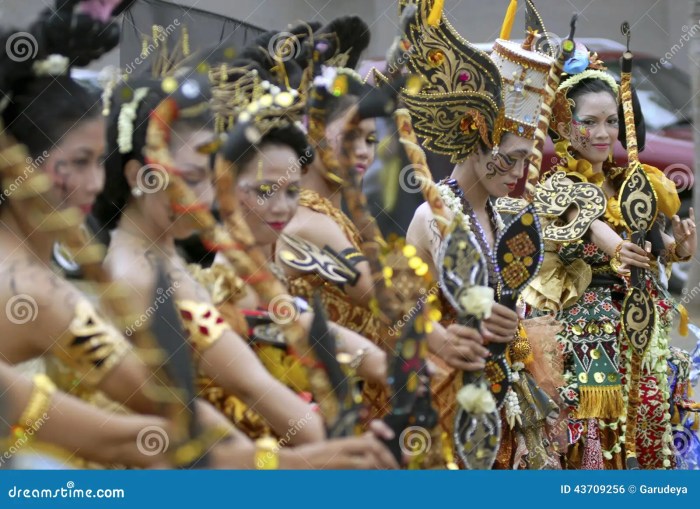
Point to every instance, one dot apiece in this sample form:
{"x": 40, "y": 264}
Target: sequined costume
{"x": 338, "y": 306}
{"x": 597, "y": 358}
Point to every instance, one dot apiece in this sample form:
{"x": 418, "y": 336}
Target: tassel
{"x": 436, "y": 13}
{"x": 509, "y": 20}
{"x": 683, "y": 325}
{"x": 600, "y": 403}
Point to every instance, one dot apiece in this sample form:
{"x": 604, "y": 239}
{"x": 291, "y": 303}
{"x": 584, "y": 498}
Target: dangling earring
{"x": 260, "y": 169}
{"x": 136, "y": 192}
{"x": 610, "y": 157}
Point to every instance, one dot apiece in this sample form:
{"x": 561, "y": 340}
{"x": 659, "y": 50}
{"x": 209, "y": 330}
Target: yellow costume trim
{"x": 91, "y": 347}
{"x": 509, "y": 19}
{"x": 203, "y": 322}
{"x": 558, "y": 285}
{"x": 34, "y": 413}
{"x": 600, "y": 402}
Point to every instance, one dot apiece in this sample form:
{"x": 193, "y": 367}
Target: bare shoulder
{"x": 424, "y": 234}
{"x": 317, "y": 228}
{"x": 39, "y": 308}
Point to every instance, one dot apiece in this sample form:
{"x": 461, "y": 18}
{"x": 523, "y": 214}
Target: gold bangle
{"x": 193, "y": 450}
{"x": 266, "y": 454}
{"x": 672, "y": 255}
{"x": 34, "y": 413}
{"x": 617, "y": 256}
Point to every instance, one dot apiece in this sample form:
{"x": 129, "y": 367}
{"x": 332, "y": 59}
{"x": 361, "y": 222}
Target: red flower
{"x": 590, "y": 249}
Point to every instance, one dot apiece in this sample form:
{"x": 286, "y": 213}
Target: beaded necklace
{"x": 478, "y": 229}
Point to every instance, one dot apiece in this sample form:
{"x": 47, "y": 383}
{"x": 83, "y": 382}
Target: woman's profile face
{"x": 76, "y": 164}
{"x": 363, "y": 141}
{"x": 194, "y": 168}
{"x": 268, "y": 190}
{"x": 594, "y": 126}
{"x": 499, "y": 173}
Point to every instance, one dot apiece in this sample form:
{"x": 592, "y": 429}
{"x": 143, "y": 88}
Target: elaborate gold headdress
{"x": 240, "y": 94}
{"x": 465, "y": 101}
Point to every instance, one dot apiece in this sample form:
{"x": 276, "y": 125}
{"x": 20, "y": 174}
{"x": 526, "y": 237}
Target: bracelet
{"x": 672, "y": 255}
{"x": 193, "y": 450}
{"x": 266, "y": 454}
{"x": 34, "y": 413}
{"x": 616, "y": 260}
{"x": 359, "y": 357}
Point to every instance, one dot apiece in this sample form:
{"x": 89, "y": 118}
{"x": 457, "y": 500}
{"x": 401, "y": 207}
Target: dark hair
{"x": 46, "y": 109}
{"x": 337, "y": 106}
{"x": 114, "y": 196}
{"x": 589, "y": 86}
{"x": 112, "y": 200}
{"x": 595, "y": 85}
{"x": 239, "y": 151}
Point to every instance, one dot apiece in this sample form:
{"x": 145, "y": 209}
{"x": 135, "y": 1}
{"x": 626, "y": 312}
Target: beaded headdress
{"x": 470, "y": 96}
{"x": 594, "y": 69}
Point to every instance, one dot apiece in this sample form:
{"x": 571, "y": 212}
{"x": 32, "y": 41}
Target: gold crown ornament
{"x": 524, "y": 74}
{"x": 470, "y": 97}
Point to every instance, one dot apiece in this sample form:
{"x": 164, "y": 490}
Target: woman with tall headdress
{"x": 586, "y": 283}
{"x": 482, "y": 111}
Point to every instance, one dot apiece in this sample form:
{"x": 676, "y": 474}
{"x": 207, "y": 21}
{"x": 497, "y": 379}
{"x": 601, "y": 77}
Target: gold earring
{"x": 260, "y": 169}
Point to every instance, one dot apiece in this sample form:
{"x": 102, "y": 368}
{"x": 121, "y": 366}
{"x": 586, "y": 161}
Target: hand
{"x": 501, "y": 326}
{"x": 631, "y": 255}
{"x": 365, "y": 452}
{"x": 374, "y": 367}
{"x": 685, "y": 235}
{"x": 461, "y": 348}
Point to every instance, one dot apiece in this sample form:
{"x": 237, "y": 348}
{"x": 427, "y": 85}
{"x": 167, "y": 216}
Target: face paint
{"x": 500, "y": 165}
{"x": 581, "y": 134}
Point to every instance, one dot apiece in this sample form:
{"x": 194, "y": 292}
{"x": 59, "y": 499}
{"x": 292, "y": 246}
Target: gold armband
{"x": 266, "y": 454}
{"x": 203, "y": 322}
{"x": 91, "y": 346}
{"x": 34, "y": 413}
